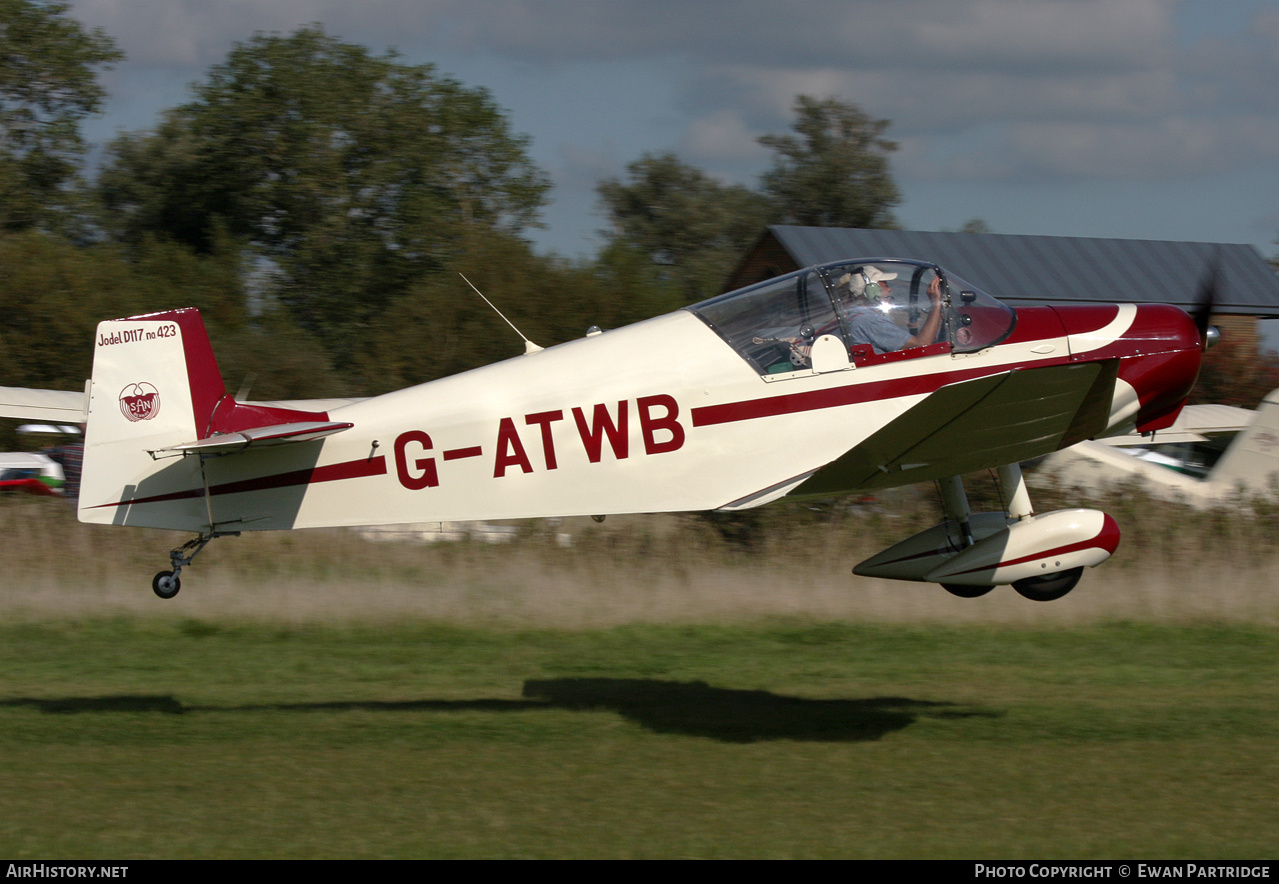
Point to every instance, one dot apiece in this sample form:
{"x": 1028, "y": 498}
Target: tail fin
{"x": 1252, "y": 460}
{"x": 155, "y": 384}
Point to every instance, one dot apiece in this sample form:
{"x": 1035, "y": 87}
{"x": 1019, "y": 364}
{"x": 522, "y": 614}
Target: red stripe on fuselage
{"x": 849, "y": 394}
{"x": 351, "y": 469}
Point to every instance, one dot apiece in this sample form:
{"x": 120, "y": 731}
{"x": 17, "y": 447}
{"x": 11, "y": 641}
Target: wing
{"x": 975, "y": 425}
{"x": 56, "y": 406}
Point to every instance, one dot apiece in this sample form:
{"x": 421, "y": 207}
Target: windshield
{"x": 977, "y": 320}
{"x": 875, "y": 307}
{"x": 773, "y": 324}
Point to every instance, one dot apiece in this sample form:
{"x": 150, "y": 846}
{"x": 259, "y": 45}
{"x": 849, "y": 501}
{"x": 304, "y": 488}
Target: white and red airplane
{"x": 792, "y": 387}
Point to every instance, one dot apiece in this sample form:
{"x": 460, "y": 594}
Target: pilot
{"x": 869, "y": 294}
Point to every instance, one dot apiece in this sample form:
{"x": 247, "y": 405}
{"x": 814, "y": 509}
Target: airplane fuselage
{"x": 659, "y": 416}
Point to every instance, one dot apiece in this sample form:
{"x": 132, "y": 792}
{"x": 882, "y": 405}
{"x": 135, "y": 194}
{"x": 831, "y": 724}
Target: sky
{"x": 1138, "y": 119}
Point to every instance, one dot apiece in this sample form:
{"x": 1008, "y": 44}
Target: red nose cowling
{"x": 1158, "y": 355}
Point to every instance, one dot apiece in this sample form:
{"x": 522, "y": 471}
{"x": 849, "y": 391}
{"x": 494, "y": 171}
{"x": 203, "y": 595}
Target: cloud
{"x": 870, "y": 32}
{"x": 999, "y": 90}
{"x": 726, "y": 139}
{"x": 180, "y": 33}
{"x": 1062, "y": 35}
{"x": 978, "y": 90}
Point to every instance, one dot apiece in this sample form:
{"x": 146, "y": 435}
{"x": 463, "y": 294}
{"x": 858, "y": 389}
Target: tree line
{"x": 317, "y": 201}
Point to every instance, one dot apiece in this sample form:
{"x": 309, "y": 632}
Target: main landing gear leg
{"x": 955, "y": 504}
{"x": 1048, "y": 587}
{"x": 167, "y": 583}
{"x": 956, "y": 509}
{"x": 1014, "y": 485}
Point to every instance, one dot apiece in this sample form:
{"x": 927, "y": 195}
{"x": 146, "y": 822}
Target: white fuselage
{"x": 658, "y": 416}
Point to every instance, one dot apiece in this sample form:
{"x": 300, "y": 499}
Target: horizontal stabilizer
{"x": 257, "y": 437}
{"x": 312, "y": 405}
{"x": 42, "y": 405}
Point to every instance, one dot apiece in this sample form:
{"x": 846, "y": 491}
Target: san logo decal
{"x": 140, "y": 402}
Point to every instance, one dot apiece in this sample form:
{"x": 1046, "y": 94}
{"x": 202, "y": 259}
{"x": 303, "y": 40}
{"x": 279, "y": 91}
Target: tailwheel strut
{"x": 166, "y": 584}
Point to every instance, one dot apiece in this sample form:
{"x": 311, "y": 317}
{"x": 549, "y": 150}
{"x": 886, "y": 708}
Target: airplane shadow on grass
{"x": 665, "y": 707}
{"x": 738, "y": 716}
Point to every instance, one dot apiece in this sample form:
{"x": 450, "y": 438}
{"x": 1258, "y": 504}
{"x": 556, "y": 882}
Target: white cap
{"x": 856, "y": 282}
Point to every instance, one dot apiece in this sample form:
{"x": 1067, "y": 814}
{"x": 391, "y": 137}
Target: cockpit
{"x": 866, "y": 311}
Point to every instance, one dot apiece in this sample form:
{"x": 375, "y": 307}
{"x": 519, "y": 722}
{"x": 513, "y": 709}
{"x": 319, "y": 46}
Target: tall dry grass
{"x": 789, "y": 560}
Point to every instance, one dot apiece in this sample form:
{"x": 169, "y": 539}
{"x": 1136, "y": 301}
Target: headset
{"x": 870, "y": 290}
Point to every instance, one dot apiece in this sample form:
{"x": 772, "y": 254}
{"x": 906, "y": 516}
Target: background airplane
{"x": 32, "y": 473}
{"x": 1210, "y": 455}
{"x": 42, "y": 472}
{"x": 763, "y": 392}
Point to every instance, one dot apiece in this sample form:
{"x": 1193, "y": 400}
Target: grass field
{"x": 645, "y": 693}
{"x": 127, "y": 739}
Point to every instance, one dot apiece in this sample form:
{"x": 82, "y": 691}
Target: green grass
{"x": 141, "y": 737}
{"x": 654, "y": 690}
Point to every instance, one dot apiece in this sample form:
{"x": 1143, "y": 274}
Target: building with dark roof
{"x": 1026, "y": 270}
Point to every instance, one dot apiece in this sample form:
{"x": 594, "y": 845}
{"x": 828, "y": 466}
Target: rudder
{"x": 155, "y": 384}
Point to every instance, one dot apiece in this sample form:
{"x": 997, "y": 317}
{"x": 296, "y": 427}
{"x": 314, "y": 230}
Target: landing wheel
{"x": 1050, "y": 587}
{"x": 964, "y": 591}
{"x": 166, "y": 584}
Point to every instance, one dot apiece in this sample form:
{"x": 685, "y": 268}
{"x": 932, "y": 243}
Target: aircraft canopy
{"x": 874, "y": 306}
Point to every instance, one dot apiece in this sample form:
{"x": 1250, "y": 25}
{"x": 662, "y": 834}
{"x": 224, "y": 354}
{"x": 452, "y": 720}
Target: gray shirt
{"x": 868, "y": 325}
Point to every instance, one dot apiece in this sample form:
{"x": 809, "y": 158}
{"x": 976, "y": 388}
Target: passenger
{"x": 869, "y": 292}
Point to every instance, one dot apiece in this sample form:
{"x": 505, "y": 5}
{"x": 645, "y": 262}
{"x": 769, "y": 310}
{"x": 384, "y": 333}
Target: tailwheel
{"x": 964, "y": 591}
{"x": 1050, "y": 587}
{"x": 166, "y": 584}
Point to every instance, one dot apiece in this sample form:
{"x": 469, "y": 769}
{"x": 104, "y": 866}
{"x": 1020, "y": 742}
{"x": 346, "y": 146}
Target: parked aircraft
{"x": 41, "y": 472}
{"x": 856, "y": 375}
{"x": 1207, "y": 457}
{"x": 32, "y": 473}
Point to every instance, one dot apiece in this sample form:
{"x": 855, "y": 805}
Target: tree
{"x": 683, "y": 219}
{"x": 355, "y": 176}
{"x": 834, "y": 172}
{"x": 1236, "y": 372}
{"x": 52, "y": 295}
{"x": 48, "y": 83}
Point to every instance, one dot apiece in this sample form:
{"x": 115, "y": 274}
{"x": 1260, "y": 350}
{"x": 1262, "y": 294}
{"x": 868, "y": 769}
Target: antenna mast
{"x": 529, "y": 346}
